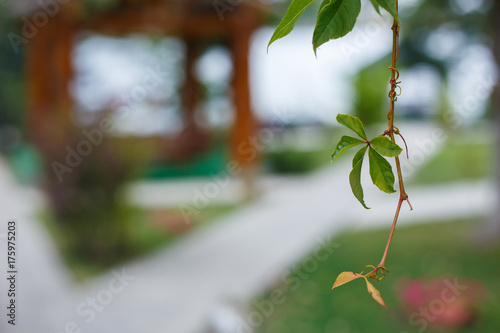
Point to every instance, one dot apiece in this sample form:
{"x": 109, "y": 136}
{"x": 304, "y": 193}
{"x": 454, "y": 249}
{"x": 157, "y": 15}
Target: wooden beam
{"x": 150, "y": 23}
{"x": 191, "y": 90}
{"x": 166, "y": 18}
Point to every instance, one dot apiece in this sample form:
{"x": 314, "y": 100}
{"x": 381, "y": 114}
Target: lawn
{"x": 458, "y": 161}
{"x": 147, "y": 231}
{"x": 425, "y": 251}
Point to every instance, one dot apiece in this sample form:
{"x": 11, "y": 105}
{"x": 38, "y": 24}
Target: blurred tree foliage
{"x": 12, "y": 89}
{"x": 423, "y": 24}
{"x": 451, "y": 19}
{"x": 370, "y": 85}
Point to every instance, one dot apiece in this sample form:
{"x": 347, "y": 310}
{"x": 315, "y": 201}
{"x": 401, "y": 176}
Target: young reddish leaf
{"x": 297, "y": 7}
{"x": 375, "y": 293}
{"x": 355, "y": 176}
{"x": 336, "y": 19}
{"x": 345, "y": 143}
{"x": 352, "y": 123}
{"x": 385, "y": 147}
{"x": 345, "y": 277}
{"x": 381, "y": 172}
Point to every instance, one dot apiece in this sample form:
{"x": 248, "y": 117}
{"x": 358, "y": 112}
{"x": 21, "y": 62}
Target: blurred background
{"x": 169, "y": 173}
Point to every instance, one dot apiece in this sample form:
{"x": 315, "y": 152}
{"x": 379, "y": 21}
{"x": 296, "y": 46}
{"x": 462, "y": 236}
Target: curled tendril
{"x": 367, "y": 266}
{"x": 396, "y": 71}
{"x": 394, "y": 85}
{"x": 383, "y": 270}
{"x": 374, "y": 273}
{"x": 398, "y": 87}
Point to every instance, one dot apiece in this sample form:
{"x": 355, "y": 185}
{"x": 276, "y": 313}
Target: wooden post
{"x": 193, "y": 139}
{"x": 37, "y": 72}
{"x": 244, "y": 152}
{"x": 191, "y": 93}
{"x": 49, "y": 72}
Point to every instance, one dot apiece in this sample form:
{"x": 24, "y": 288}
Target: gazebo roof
{"x": 26, "y": 7}
{"x": 184, "y": 18}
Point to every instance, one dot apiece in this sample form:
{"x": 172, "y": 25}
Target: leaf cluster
{"x": 378, "y": 149}
{"x": 336, "y": 18}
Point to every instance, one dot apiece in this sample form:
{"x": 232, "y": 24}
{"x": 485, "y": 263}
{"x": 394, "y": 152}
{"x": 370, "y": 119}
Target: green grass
{"x": 419, "y": 252}
{"x": 458, "y": 161}
{"x": 144, "y": 236}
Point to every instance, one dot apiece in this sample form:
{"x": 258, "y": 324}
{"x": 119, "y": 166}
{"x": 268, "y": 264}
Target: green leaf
{"x": 295, "y": 10}
{"x": 385, "y": 147}
{"x": 381, "y": 172}
{"x": 323, "y": 4}
{"x": 359, "y": 156}
{"x": 345, "y": 277}
{"x": 336, "y": 19}
{"x": 390, "y": 6}
{"x": 375, "y": 5}
{"x": 352, "y": 123}
{"x": 345, "y": 143}
{"x": 375, "y": 293}
{"x": 355, "y": 176}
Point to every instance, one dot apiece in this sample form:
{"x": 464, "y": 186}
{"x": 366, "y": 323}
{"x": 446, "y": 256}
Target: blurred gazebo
{"x": 58, "y": 23}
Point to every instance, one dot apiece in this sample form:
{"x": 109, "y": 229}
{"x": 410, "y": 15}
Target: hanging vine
{"x": 336, "y": 18}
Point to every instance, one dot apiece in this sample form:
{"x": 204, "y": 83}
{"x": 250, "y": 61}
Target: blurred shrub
{"x": 204, "y": 164}
{"x": 371, "y": 87}
{"x": 300, "y": 148}
{"x": 87, "y": 201}
{"x": 296, "y": 161}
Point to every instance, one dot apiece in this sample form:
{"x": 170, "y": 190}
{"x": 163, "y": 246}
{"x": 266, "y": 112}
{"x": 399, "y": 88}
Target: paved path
{"x": 181, "y": 288}
{"x": 44, "y": 288}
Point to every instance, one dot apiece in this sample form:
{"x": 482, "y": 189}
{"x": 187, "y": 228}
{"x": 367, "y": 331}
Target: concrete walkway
{"x": 204, "y": 276}
{"x": 44, "y": 289}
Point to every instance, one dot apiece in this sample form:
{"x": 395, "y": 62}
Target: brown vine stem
{"x": 390, "y": 131}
